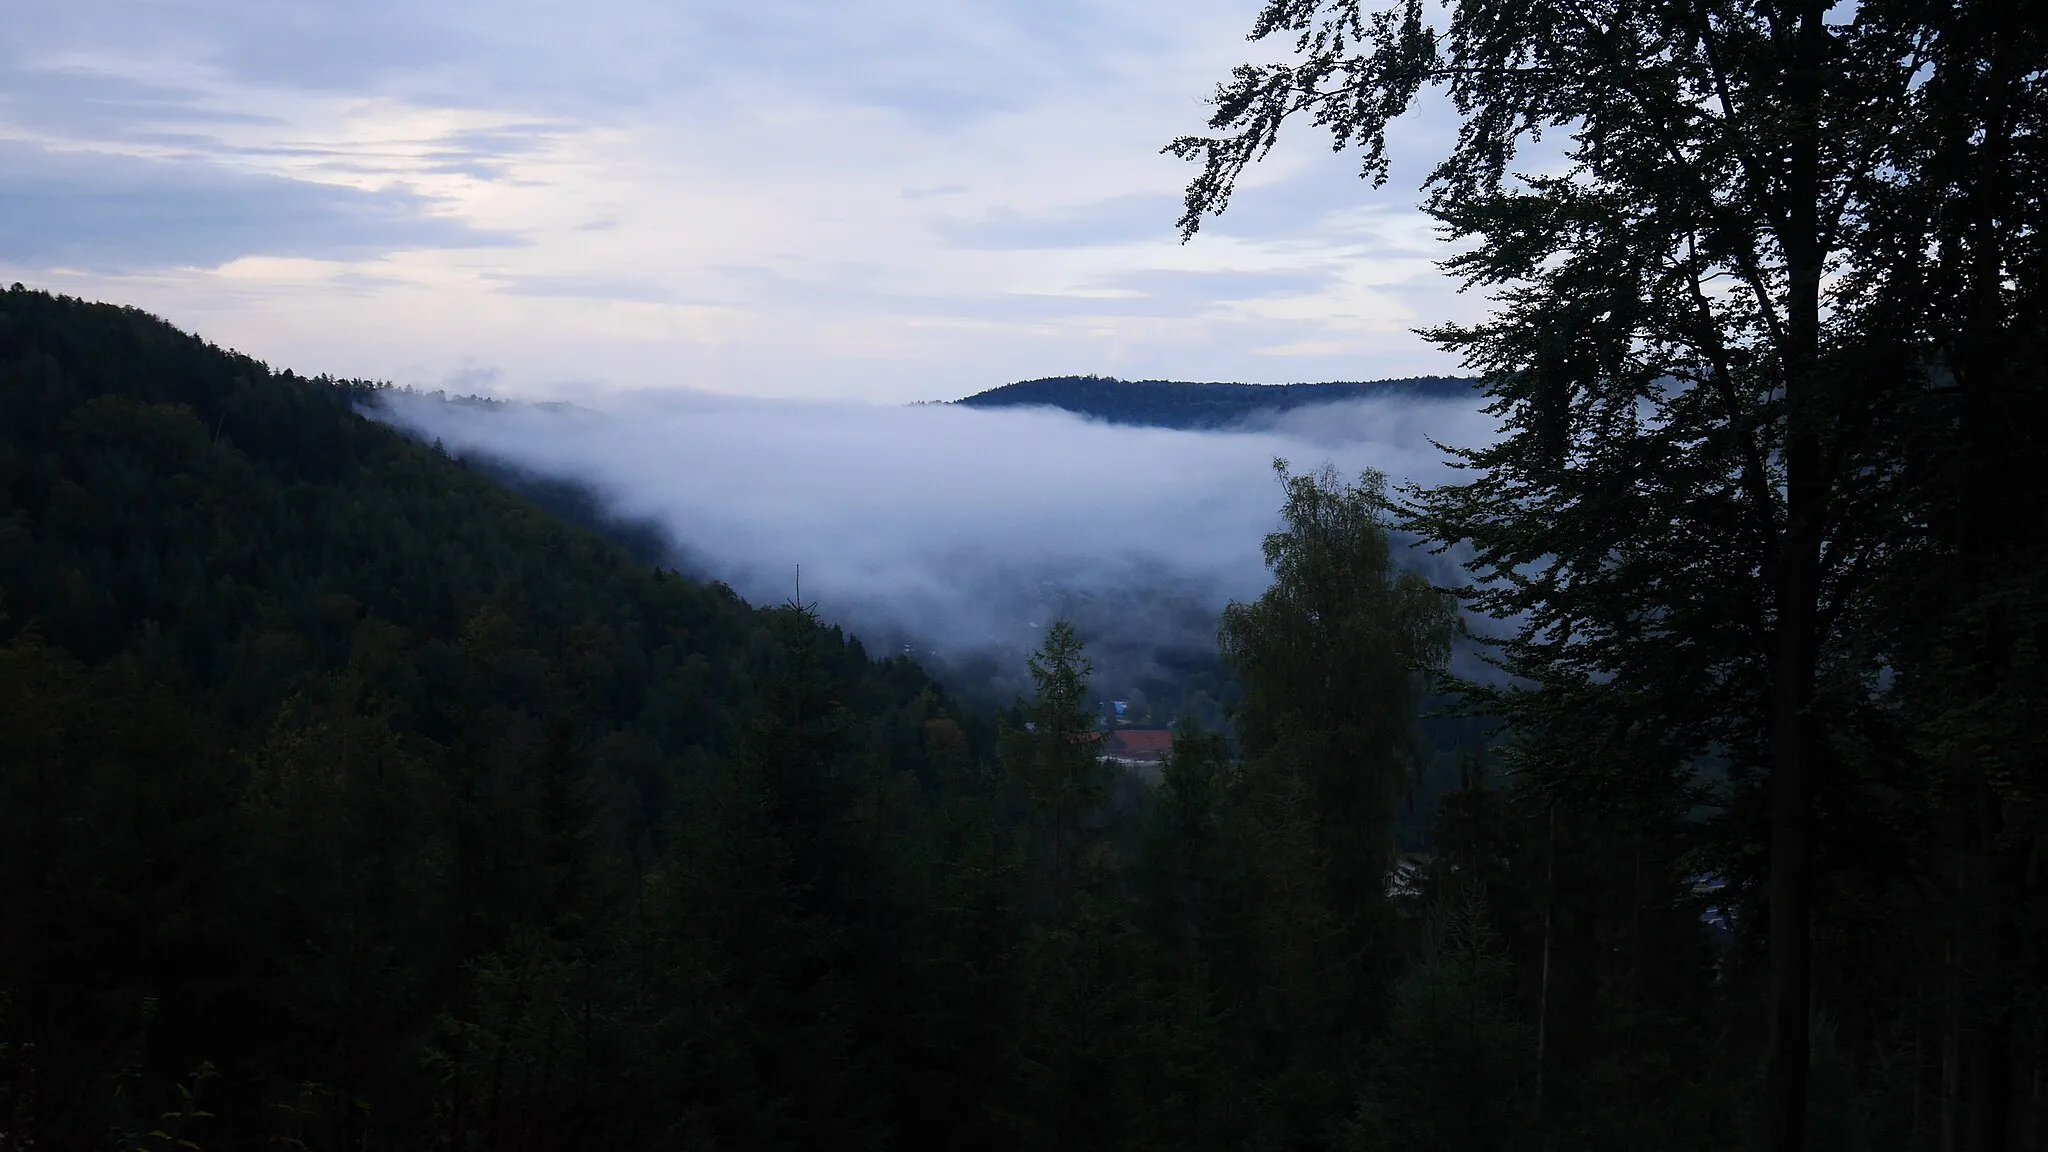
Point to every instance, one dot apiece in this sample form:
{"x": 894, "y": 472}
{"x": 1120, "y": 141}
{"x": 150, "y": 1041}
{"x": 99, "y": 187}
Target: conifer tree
{"x": 1449, "y": 1073}
{"x": 1055, "y": 763}
{"x": 1076, "y": 965}
{"x": 1189, "y": 897}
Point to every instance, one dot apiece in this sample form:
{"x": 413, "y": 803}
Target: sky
{"x": 843, "y": 200}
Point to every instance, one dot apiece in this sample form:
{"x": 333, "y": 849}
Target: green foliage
{"x": 1054, "y": 764}
{"x": 1188, "y": 887}
{"x": 1452, "y": 1070}
{"x": 427, "y": 819}
{"x": 1330, "y": 658}
{"x": 1075, "y": 960}
{"x": 1764, "y": 326}
{"x": 408, "y": 812}
{"x": 1261, "y": 882}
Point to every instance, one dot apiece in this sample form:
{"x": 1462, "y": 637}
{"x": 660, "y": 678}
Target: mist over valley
{"x": 958, "y": 532}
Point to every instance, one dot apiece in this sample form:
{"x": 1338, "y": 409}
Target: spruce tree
{"x": 1449, "y": 1073}
{"x": 1077, "y": 959}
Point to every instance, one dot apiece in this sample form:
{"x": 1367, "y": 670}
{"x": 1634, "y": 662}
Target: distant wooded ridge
{"x": 1181, "y": 404}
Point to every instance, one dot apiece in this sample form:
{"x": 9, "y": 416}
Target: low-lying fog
{"x": 957, "y": 532}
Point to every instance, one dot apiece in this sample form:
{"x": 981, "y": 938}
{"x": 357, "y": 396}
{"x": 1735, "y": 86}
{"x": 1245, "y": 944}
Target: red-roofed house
{"x": 1137, "y": 745}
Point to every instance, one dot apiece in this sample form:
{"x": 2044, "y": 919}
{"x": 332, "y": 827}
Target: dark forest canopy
{"x": 1179, "y": 404}
{"x": 329, "y": 769}
{"x": 349, "y": 800}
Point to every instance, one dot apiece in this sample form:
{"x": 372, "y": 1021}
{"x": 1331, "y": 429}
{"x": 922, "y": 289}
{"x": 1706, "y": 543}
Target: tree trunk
{"x": 1952, "y": 1047}
{"x": 1990, "y": 1059}
{"x": 1791, "y": 885}
{"x": 1992, "y": 460}
{"x": 1793, "y": 766}
{"x": 1793, "y": 746}
{"x": 1543, "y": 992}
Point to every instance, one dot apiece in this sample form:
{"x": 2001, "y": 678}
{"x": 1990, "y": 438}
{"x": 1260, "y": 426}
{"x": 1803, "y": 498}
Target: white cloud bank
{"x": 939, "y": 522}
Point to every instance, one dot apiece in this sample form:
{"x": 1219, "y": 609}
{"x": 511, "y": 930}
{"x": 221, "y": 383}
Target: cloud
{"x": 490, "y": 153}
{"x": 577, "y": 287}
{"x": 1115, "y": 220}
{"x": 335, "y": 45}
{"x": 960, "y": 528}
{"x": 106, "y": 212}
{"x": 892, "y": 200}
{"x": 472, "y": 378}
{"x": 71, "y": 103}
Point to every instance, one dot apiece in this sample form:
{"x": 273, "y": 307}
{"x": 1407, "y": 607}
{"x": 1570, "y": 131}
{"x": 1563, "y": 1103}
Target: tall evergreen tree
{"x": 1076, "y": 959}
{"x": 1189, "y": 891}
{"x": 1055, "y": 763}
{"x": 1449, "y": 1072}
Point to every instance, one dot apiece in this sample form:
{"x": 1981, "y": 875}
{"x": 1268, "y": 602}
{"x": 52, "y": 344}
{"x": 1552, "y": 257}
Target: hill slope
{"x": 1178, "y": 404}
{"x": 380, "y": 808}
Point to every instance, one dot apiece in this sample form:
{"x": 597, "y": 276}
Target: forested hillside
{"x": 350, "y": 801}
{"x": 373, "y": 807}
{"x": 1179, "y": 404}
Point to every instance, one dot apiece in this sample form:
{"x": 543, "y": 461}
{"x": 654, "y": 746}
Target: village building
{"x": 1136, "y": 747}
